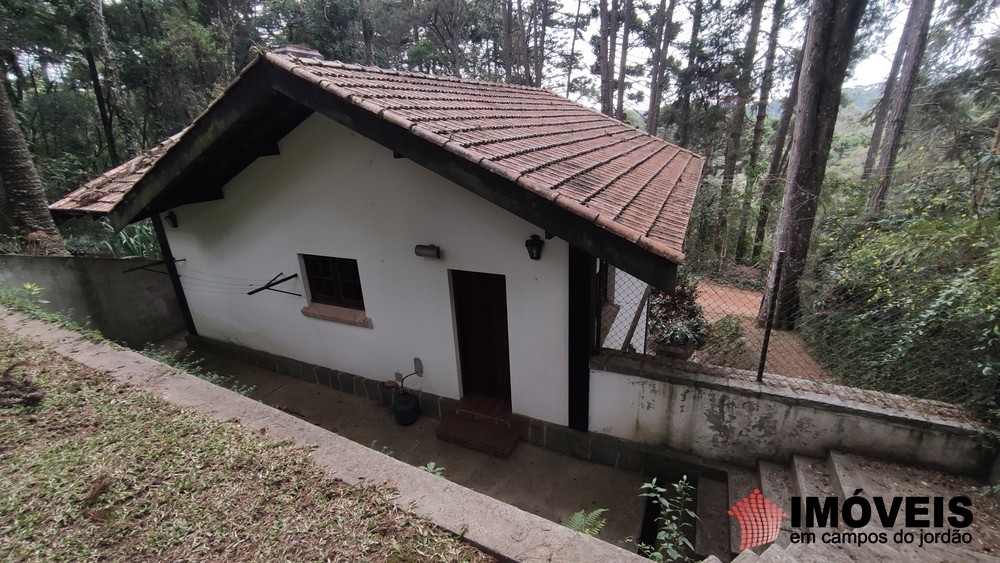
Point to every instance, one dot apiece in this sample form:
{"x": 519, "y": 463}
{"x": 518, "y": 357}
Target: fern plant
{"x": 589, "y": 523}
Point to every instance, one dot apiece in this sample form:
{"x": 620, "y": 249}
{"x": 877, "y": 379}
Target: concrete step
{"x": 740, "y": 483}
{"x": 778, "y": 485}
{"x": 775, "y": 554}
{"x": 485, "y": 409}
{"x": 812, "y": 477}
{"x": 875, "y": 478}
{"x": 712, "y": 526}
{"x": 746, "y": 556}
{"x": 483, "y": 436}
{"x": 794, "y": 551}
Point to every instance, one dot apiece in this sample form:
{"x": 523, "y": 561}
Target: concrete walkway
{"x": 539, "y": 481}
{"x": 499, "y": 528}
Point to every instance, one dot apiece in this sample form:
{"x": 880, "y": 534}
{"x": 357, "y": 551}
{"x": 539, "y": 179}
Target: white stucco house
{"x": 397, "y": 211}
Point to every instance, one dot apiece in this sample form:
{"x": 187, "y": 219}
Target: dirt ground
{"x": 787, "y": 353}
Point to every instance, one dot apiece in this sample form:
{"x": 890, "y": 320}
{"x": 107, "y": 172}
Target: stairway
{"x": 840, "y": 475}
{"x": 482, "y": 424}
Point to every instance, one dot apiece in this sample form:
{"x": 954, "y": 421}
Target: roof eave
{"x": 252, "y": 83}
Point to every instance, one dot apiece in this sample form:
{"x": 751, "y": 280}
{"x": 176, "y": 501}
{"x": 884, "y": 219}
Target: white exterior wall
{"x": 631, "y": 407}
{"x": 333, "y": 192}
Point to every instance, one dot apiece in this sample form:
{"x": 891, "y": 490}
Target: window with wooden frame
{"x": 334, "y": 281}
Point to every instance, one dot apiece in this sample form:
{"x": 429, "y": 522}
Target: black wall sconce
{"x": 171, "y": 218}
{"x": 427, "y": 250}
{"x": 534, "y": 246}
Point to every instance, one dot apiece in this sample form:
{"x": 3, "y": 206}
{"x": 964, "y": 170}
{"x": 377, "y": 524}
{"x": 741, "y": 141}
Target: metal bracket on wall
{"x": 150, "y": 265}
{"x": 275, "y": 281}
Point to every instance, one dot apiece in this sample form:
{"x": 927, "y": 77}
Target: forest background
{"x": 883, "y": 197}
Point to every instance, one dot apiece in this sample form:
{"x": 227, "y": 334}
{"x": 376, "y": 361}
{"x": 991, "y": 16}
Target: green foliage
{"x": 33, "y": 293}
{"x": 677, "y": 320}
{"x": 673, "y": 523}
{"x": 138, "y": 240}
{"x": 27, "y": 300}
{"x": 590, "y": 523}
{"x": 194, "y": 367}
{"x": 433, "y": 468}
{"x": 909, "y": 303}
{"x": 728, "y": 345}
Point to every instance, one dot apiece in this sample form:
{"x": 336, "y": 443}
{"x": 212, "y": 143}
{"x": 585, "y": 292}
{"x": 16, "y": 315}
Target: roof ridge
{"x": 274, "y": 57}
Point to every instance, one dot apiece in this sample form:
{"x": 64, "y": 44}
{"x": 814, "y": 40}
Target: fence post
{"x": 770, "y": 315}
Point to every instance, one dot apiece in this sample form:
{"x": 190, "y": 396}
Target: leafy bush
{"x": 909, "y": 303}
{"x": 673, "y": 522}
{"x": 678, "y": 319}
{"x": 728, "y": 345}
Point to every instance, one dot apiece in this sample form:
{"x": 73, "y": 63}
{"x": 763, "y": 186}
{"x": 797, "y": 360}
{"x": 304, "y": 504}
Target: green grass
{"x": 100, "y": 470}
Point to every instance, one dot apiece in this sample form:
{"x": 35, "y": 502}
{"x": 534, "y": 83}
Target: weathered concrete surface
{"x": 739, "y": 421}
{"x": 136, "y": 308}
{"x": 502, "y": 529}
{"x": 543, "y": 482}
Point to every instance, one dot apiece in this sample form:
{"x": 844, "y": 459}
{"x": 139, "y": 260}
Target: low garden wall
{"x": 135, "y": 307}
{"x": 728, "y": 416}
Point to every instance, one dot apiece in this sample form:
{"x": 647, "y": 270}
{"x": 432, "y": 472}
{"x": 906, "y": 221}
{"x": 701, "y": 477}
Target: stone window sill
{"x": 336, "y": 314}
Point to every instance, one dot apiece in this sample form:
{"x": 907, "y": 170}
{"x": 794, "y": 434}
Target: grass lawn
{"x": 97, "y": 470}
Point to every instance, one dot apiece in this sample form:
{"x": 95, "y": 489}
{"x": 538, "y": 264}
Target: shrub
{"x": 678, "y": 319}
{"x": 728, "y": 345}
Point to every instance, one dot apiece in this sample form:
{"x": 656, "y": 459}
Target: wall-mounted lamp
{"x": 534, "y": 246}
{"x": 171, "y": 219}
{"x": 427, "y": 250}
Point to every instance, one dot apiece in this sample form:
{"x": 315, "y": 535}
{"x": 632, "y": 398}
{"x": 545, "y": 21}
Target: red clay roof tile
{"x": 626, "y": 181}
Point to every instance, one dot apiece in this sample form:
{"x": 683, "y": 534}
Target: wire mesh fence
{"x": 720, "y": 324}
{"x": 84, "y": 236}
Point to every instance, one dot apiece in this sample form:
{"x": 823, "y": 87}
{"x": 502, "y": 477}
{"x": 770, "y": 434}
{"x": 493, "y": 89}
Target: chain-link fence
{"x": 84, "y": 236}
{"x": 721, "y": 324}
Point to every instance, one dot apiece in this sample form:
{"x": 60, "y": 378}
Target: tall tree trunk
{"x": 102, "y": 107}
{"x": 658, "y": 82}
{"x": 525, "y": 52}
{"x": 653, "y": 112}
{"x": 508, "y": 39}
{"x": 778, "y": 157}
{"x": 687, "y": 77}
{"x": 367, "y": 31}
{"x": 572, "y": 49}
{"x": 901, "y": 102}
{"x": 734, "y": 142}
{"x": 623, "y": 65}
{"x": 606, "y": 53}
{"x": 833, "y": 25}
{"x": 766, "y": 83}
{"x": 540, "y": 34}
{"x": 28, "y": 207}
{"x": 882, "y": 108}
{"x": 112, "y": 80}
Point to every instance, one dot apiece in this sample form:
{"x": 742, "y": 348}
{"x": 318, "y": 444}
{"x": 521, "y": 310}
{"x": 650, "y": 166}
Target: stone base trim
{"x": 649, "y": 460}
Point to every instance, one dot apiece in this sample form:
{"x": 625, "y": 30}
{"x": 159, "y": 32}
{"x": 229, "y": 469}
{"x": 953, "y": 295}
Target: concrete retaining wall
{"x": 737, "y": 420}
{"x": 135, "y": 308}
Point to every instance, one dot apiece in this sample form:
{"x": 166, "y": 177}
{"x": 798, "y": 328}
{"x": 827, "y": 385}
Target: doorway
{"x": 480, "y": 302}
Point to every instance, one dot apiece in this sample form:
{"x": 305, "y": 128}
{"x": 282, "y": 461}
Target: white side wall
{"x": 332, "y": 192}
{"x": 739, "y": 421}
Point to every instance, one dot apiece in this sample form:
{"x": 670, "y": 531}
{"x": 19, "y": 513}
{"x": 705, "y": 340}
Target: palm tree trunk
{"x": 29, "y": 209}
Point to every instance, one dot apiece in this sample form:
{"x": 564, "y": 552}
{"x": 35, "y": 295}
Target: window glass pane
{"x": 334, "y": 281}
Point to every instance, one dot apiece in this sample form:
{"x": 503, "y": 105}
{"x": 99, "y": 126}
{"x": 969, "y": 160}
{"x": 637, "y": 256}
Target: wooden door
{"x": 480, "y": 302}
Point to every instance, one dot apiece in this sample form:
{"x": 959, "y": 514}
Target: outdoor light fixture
{"x": 534, "y": 246}
{"x": 171, "y": 218}
{"x": 427, "y": 250}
